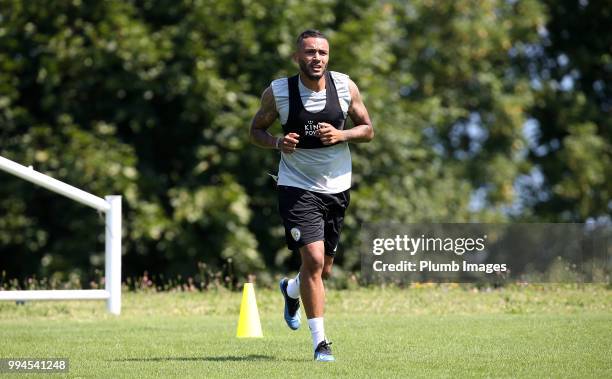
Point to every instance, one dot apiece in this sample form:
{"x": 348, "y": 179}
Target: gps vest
{"x": 305, "y": 123}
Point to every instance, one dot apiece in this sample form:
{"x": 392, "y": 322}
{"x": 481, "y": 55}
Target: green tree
{"x": 572, "y": 145}
{"x": 153, "y": 99}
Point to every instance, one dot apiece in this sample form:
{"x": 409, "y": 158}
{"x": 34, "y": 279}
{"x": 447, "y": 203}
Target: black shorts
{"x": 311, "y": 216}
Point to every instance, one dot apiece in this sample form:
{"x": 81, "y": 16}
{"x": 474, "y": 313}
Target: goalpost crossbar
{"x": 111, "y": 205}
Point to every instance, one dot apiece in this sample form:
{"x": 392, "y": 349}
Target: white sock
{"x": 317, "y": 330}
{"x": 293, "y": 287}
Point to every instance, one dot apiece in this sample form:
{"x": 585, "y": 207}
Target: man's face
{"x": 312, "y": 57}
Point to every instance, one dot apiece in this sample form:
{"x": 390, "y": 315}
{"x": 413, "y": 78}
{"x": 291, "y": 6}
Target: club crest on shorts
{"x": 296, "y": 234}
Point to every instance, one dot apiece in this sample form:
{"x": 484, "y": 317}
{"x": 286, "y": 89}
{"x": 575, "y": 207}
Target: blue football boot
{"x": 292, "y": 306}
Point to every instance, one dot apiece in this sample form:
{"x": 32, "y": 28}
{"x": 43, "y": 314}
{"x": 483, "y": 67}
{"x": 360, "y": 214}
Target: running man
{"x": 314, "y": 175}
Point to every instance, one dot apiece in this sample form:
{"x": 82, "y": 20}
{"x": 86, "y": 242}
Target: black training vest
{"x": 304, "y": 123}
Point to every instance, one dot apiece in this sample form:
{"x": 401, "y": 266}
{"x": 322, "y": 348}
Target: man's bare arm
{"x": 361, "y": 132}
{"x": 263, "y": 119}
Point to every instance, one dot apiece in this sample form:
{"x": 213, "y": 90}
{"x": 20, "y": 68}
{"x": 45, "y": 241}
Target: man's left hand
{"x": 330, "y": 135}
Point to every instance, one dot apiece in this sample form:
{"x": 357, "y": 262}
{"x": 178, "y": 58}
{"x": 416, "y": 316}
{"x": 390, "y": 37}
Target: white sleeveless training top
{"x": 323, "y": 170}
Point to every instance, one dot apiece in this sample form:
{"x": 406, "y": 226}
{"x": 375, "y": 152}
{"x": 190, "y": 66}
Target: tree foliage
{"x": 483, "y": 111}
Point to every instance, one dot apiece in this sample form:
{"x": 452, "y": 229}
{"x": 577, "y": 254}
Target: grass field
{"x": 431, "y": 331}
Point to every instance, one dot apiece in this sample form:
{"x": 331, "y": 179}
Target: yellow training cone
{"x": 248, "y": 323}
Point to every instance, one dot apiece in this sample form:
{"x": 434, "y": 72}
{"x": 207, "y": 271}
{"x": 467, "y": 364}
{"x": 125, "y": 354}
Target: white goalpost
{"x": 111, "y": 205}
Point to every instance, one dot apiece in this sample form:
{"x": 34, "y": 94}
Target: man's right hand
{"x": 288, "y": 143}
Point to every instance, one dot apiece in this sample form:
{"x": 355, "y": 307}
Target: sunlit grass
{"x": 423, "y": 331}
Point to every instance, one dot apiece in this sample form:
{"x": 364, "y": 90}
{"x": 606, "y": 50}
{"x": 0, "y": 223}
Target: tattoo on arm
{"x": 263, "y": 119}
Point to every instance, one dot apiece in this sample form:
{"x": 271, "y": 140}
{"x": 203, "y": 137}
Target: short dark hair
{"x": 309, "y": 33}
